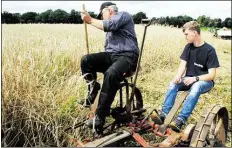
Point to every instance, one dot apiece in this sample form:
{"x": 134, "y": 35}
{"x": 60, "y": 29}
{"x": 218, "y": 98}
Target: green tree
{"x": 201, "y": 20}
{"x": 10, "y": 18}
{"x": 223, "y": 24}
{"x": 28, "y": 17}
{"x": 162, "y": 20}
{"x": 16, "y": 18}
{"x": 154, "y": 20}
{"x": 44, "y": 16}
{"x": 206, "y": 22}
{"x": 5, "y": 17}
{"x": 211, "y": 23}
{"x": 173, "y": 21}
{"x": 217, "y": 23}
{"x": 38, "y": 19}
{"x": 75, "y": 17}
{"x": 228, "y": 22}
{"x": 72, "y": 16}
{"x": 51, "y": 18}
{"x": 92, "y": 14}
{"x": 167, "y": 20}
{"x": 187, "y": 19}
{"x": 180, "y": 21}
{"x": 138, "y": 17}
{"x": 59, "y": 16}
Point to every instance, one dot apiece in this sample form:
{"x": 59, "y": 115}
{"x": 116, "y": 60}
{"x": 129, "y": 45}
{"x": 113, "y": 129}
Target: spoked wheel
{"x": 212, "y": 128}
{"x": 124, "y": 93}
{"x": 137, "y": 101}
{"x": 119, "y": 107}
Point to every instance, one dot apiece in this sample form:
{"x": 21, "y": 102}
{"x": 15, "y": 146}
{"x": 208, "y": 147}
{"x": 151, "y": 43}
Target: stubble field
{"x": 41, "y": 79}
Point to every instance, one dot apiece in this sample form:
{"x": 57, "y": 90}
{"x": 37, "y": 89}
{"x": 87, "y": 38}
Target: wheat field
{"x": 41, "y": 79}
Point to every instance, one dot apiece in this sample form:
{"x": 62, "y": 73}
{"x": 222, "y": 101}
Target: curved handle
{"x": 149, "y": 23}
{"x": 146, "y": 20}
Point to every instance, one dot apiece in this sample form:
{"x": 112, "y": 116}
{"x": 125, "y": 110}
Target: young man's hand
{"x": 86, "y": 17}
{"x": 189, "y": 80}
{"x": 177, "y": 79}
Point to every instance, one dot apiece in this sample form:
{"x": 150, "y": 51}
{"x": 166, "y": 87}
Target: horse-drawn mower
{"x": 131, "y": 122}
{"x": 210, "y": 130}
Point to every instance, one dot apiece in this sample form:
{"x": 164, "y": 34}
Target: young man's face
{"x": 190, "y": 35}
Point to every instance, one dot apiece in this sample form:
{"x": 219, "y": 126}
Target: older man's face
{"x": 106, "y": 14}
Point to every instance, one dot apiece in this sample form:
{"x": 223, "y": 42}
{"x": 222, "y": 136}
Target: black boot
{"x": 92, "y": 93}
{"x": 176, "y": 125}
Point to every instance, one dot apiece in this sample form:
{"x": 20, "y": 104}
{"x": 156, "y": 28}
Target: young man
{"x": 198, "y": 62}
{"x": 119, "y": 59}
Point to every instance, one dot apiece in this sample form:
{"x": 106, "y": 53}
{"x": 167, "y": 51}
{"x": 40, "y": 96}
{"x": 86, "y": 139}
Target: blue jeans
{"x": 195, "y": 90}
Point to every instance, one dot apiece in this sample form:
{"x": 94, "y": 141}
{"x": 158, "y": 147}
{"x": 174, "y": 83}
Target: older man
{"x": 118, "y": 60}
{"x": 198, "y": 62}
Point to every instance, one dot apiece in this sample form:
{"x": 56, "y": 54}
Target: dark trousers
{"x": 115, "y": 67}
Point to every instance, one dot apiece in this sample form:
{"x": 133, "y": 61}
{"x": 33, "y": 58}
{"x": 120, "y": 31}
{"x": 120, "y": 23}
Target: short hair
{"x": 192, "y": 25}
{"x": 114, "y": 7}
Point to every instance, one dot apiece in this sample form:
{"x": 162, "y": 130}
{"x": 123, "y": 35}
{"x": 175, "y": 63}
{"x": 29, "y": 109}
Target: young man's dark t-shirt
{"x": 199, "y": 59}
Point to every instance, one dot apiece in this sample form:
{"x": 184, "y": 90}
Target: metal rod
{"x": 138, "y": 64}
{"x": 121, "y": 103}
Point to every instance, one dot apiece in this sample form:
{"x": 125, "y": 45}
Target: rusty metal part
{"x": 138, "y": 138}
{"x": 78, "y": 143}
{"x": 187, "y": 133}
{"x": 145, "y": 119}
{"x": 211, "y": 129}
{"x": 154, "y": 144}
{"x": 171, "y": 140}
{"x": 157, "y": 132}
{"x": 126, "y": 132}
{"x": 173, "y": 111}
{"x": 109, "y": 139}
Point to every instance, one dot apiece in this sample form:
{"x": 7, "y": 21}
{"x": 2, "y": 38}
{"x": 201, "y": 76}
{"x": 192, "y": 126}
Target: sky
{"x": 213, "y": 9}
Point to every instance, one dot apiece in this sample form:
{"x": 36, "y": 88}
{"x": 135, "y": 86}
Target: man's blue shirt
{"x": 120, "y": 36}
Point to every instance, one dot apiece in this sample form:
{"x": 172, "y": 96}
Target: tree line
{"x": 203, "y": 20}
{"x": 74, "y": 17}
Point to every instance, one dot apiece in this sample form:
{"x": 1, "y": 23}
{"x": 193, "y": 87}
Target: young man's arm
{"x": 210, "y": 76}
{"x": 180, "y": 72}
{"x": 207, "y": 77}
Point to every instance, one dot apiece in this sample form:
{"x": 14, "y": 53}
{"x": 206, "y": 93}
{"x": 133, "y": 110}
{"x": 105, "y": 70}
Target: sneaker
{"x": 99, "y": 122}
{"x": 91, "y": 95}
{"x": 162, "y": 117}
{"x": 158, "y": 119}
{"x": 176, "y": 125}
